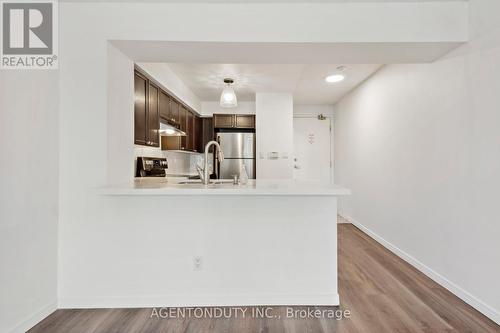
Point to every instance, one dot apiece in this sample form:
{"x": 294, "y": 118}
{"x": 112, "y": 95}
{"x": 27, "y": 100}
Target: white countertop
{"x": 164, "y": 186}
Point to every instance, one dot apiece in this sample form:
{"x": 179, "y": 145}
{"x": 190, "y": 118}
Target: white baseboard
{"x": 35, "y": 318}
{"x": 467, "y": 297}
{"x": 327, "y": 299}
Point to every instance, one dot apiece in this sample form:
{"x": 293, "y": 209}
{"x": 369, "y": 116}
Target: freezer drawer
{"x": 237, "y": 145}
{"x": 230, "y": 167}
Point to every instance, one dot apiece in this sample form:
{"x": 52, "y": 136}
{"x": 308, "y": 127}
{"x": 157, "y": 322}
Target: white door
{"x": 312, "y": 149}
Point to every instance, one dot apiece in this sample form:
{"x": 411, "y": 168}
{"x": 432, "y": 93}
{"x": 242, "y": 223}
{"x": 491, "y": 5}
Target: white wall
{"x": 209, "y": 108}
{"x": 274, "y": 133}
{"x": 29, "y": 132}
{"x": 419, "y": 147}
{"x": 312, "y": 109}
{"x": 120, "y": 163}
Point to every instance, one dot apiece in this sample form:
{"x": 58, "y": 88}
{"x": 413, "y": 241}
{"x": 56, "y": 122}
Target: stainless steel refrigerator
{"x": 238, "y": 149}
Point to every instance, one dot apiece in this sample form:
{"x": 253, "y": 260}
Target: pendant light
{"x": 228, "y": 97}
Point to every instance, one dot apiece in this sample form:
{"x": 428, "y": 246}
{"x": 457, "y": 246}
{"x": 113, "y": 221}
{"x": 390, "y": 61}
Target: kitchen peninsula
{"x": 269, "y": 242}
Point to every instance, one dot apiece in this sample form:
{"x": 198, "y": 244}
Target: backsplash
{"x": 179, "y": 163}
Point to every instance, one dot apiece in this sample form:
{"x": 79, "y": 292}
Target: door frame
{"x": 329, "y": 117}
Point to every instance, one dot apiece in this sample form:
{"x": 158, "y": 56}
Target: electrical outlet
{"x": 197, "y": 263}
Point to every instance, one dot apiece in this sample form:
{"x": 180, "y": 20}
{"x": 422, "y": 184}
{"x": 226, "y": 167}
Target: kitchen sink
{"x": 212, "y": 182}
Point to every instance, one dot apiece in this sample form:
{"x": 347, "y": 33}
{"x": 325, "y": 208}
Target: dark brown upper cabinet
{"x": 234, "y": 121}
{"x": 153, "y": 123}
{"x": 183, "y": 115}
{"x": 198, "y": 134}
{"x": 140, "y": 109}
{"x": 207, "y": 133}
{"x": 153, "y": 104}
{"x": 244, "y": 121}
{"x": 223, "y": 121}
{"x": 189, "y": 131}
{"x": 146, "y": 112}
{"x": 174, "y": 111}
{"x": 164, "y": 106}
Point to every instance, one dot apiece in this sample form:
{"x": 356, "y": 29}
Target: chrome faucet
{"x": 205, "y": 177}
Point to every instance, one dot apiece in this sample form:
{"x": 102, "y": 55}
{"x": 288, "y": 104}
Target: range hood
{"x": 167, "y": 129}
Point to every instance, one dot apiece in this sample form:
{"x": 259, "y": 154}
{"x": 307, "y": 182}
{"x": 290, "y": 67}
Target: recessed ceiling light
{"x": 335, "y": 78}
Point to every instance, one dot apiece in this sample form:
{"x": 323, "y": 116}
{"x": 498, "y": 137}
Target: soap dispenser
{"x": 243, "y": 175}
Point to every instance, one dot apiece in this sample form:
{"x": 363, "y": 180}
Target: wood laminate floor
{"x": 383, "y": 294}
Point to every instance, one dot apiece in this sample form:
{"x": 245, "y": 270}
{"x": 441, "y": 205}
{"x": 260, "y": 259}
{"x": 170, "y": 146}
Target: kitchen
{"x": 162, "y": 120}
{"x": 367, "y": 131}
{"x": 172, "y": 144}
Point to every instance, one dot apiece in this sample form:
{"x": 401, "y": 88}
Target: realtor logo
{"x": 29, "y": 34}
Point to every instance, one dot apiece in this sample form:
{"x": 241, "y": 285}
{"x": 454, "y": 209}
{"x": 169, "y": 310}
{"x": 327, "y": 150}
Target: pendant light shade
{"x": 228, "y": 97}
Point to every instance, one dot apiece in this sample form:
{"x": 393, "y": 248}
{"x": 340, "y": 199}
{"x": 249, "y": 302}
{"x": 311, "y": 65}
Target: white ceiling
{"x": 283, "y": 53}
{"x": 306, "y": 82}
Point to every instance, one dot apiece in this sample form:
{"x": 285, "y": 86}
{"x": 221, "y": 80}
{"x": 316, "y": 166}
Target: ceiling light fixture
{"x": 335, "y": 78}
{"x": 228, "y": 97}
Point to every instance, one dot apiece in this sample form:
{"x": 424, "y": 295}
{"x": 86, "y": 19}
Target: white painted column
{"x": 274, "y": 135}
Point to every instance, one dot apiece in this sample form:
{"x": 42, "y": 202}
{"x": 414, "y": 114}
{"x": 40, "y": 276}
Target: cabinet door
{"x": 189, "y": 131}
{"x": 183, "y": 123}
{"x": 170, "y": 142}
{"x": 140, "y": 90}
{"x": 244, "y": 121}
{"x": 164, "y": 105}
{"x": 182, "y": 117}
{"x": 198, "y": 134}
{"x": 208, "y": 133}
{"x": 153, "y": 117}
{"x": 223, "y": 120}
{"x": 174, "y": 111}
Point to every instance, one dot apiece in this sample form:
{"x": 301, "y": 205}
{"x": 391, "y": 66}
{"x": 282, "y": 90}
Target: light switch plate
{"x": 273, "y": 155}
